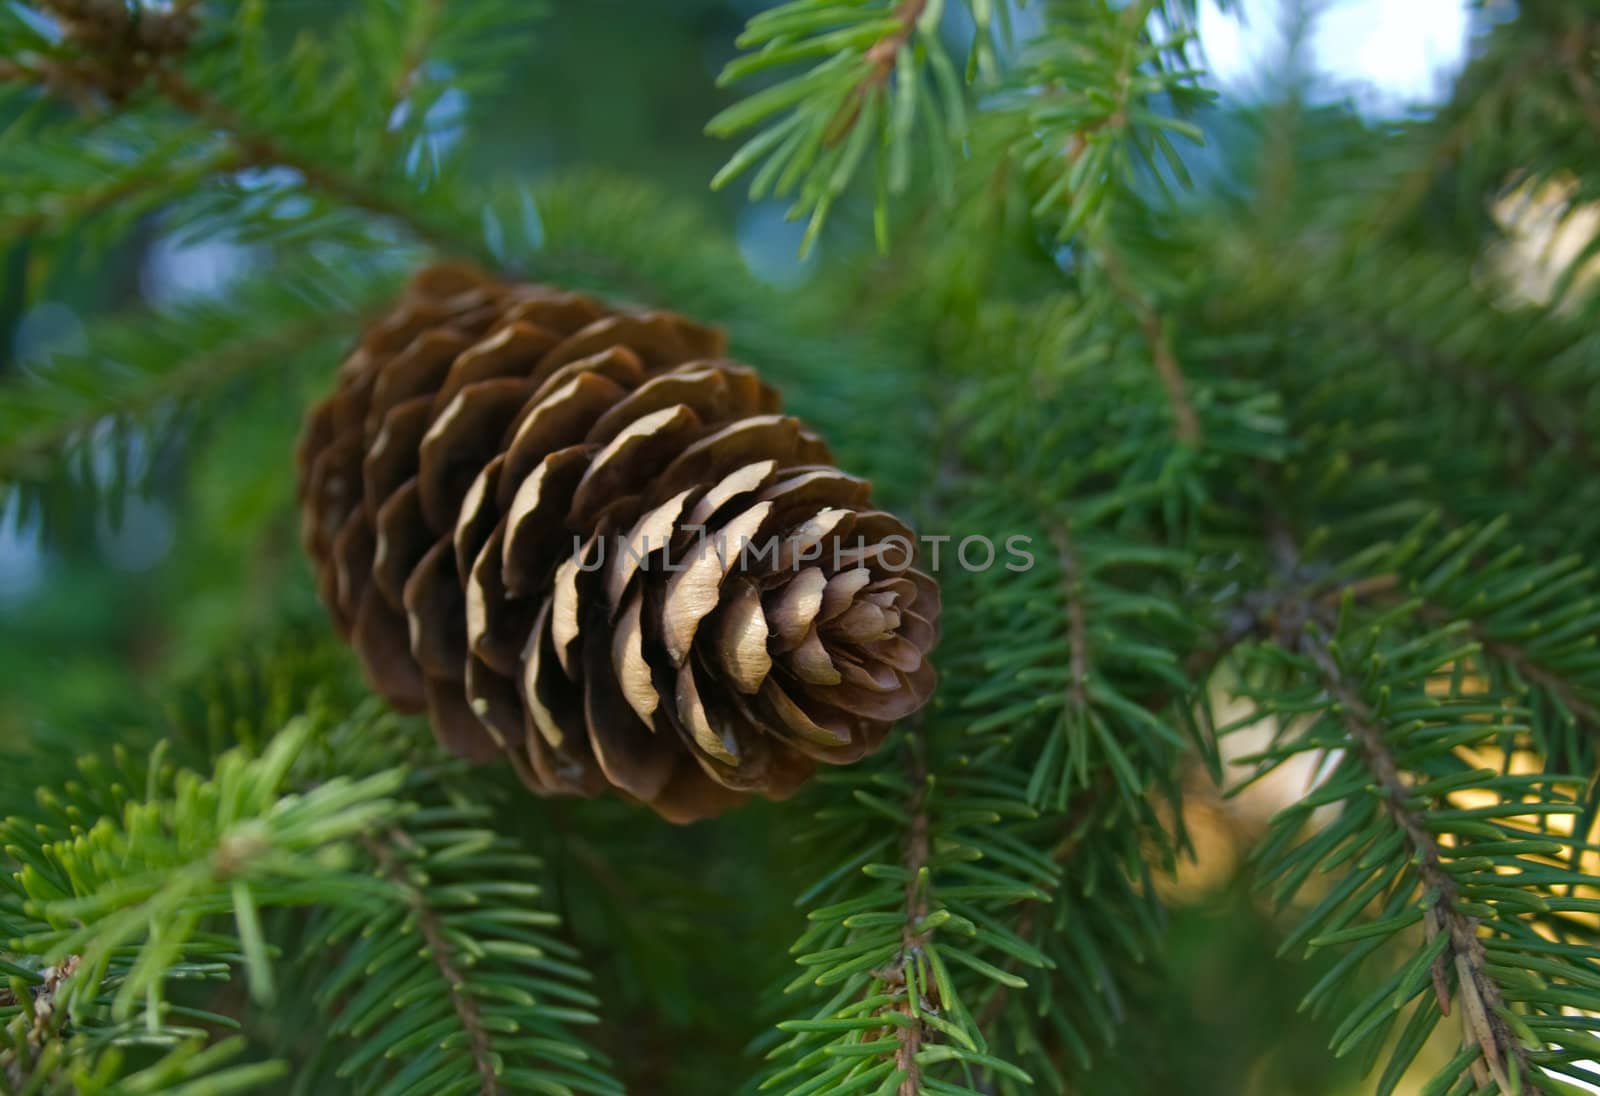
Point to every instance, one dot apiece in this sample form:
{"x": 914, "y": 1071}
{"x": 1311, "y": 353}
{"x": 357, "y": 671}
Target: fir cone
{"x": 578, "y": 536}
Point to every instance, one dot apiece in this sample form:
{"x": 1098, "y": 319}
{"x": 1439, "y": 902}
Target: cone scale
{"x": 579, "y": 537}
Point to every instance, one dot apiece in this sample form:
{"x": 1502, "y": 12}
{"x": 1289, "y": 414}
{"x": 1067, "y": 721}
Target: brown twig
{"x": 118, "y": 47}
{"x": 1306, "y": 631}
{"x": 1186, "y": 423}
{"x": 886, "y": 50}
{"x": 1377, "y": 586}
{"x": 389, "y": 854}
{"x": 913, "y": 939}
{"x": 207, "y": 370}
{"x": 44, "y": 1020}
{"x": 122, "y": 53}
{"x": 1519, "y": 659}
{"x": 261, "y": 150}
{"x": 416, "y": 52}
{"x": 1478, "y": 993}
{"x": 1198, "y": 666}
{"x": 882, "y": 58}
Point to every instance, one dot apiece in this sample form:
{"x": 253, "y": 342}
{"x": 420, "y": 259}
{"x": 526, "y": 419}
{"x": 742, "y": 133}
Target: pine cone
{"x": 501, "y": 501}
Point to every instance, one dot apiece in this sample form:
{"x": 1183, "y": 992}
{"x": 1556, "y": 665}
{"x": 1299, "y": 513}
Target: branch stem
{"x": 1087, "y": 805}
{"x": 1186, "y": 422}
{"x": 887, "y": 49}
{"x": 46, "y": 1018}
{"x": 1524, "y": 664}
{"x": 205, "y": 371}
{"x": 259, "y": 149}
{"x": 1378, "y": 586}
{"x": 1478, "y": 992}
{"x": 881, "y": 58}
{"x": 912, "y": 938}
{"x": 390, "y": 857}
{"x": 416, "y": 51}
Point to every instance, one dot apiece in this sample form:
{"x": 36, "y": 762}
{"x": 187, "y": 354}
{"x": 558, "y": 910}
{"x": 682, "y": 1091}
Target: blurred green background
{"x": 103, "y": 610}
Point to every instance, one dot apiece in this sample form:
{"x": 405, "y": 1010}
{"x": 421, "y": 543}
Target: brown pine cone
{"x": 501, "y": 500}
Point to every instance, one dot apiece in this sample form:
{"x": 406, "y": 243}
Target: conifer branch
{"x": 44, "y": 1018}
{"x": 881, "y": 59}
{"x": 141, "y": 366}
{"x": 118, "y": 45}
{"x": 1085, "y": 124}
{"x": 205, "y": 371}
{"x": 1074, "y": 825}
{"x": 1186, "y": 422}
{"x": 76, "y": 82}
{"x": 115, "y": 60}
{"x": 1507, "y": 390}
{"x": 1003, "y": 838}
{"x": 416, "y": 53}
{"x": 120, "y": 25}
{"x": 883, "y": 54}
{"x": 1407, "y": 734}
{"x": 492, "y": 990}
{"x": 1445, "y": 151}
{"x": 72, "y": 208}
{"x": 261, "y": 150}
{"x": 440, "y": 952}
{"x": 1478, "y": 990}
{"x": 1530, "y": 668}
{"x": 1512, "y": 654}
{"x": 116, "y": 902}
{"x": 1384, "y": 588}
{"x": 1091, "y": 802}
{"x": 815, "y": 129}
{"x": 913, "y": 936}
{"x": 888, "y": 946}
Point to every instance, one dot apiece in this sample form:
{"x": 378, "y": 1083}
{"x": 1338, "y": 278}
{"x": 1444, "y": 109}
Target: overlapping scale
{"x": 579, "y": 537}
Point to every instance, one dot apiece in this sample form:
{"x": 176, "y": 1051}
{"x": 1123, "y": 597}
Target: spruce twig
{"x": 1186, "y": 422}
{"x": 203, "y": 372}
{"x": 881, "y": 58}
{"x": 913, "y": 937}
{"x": 416, "y": 53}
{"x": 258, "y": 149}
{"x": 389, "y": 854}
{"x": 1076, "y": 821}
{"x": 1530, "y": 668}
{"x": 43, "y": 1016}
{"x": 120, "y": 54}
{"x": 1382, "y": 588}
{"x": 1477, "y": 990}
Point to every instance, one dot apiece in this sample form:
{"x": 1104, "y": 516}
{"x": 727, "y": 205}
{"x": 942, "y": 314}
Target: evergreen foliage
{"x": 1308, "y": 486}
